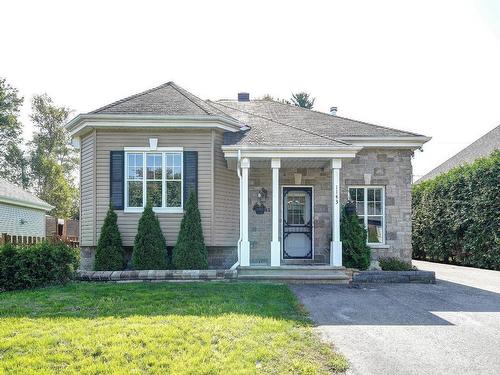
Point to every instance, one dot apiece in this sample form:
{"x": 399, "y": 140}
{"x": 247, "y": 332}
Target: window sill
{"x": 157, "y": 210}
{"x": 378, "y": 246}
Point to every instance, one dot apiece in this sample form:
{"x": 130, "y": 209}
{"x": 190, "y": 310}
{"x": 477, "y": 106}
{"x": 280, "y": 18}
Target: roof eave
{"x": 312, "y": 151}
{"x": 82, "y": 121}
{"x": 411, "y": 142}
{"x": 22, "y": 203}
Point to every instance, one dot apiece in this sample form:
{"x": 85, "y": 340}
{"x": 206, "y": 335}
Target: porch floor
{"x": 296, "y": 273}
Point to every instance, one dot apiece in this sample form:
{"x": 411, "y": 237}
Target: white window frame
{"x": 365, "y": 215}
{"x": 159, "y": 150}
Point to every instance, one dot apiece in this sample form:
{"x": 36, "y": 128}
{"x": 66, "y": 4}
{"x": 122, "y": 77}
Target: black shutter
{"x": 116, "y": 179}
{"x": 190, "y": 173}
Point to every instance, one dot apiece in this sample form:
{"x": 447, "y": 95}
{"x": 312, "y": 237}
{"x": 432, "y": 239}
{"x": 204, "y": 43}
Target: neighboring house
{"x": 21, "y": 213}
{"x": 270, "y": 177}
{"x": 484, "y": 146}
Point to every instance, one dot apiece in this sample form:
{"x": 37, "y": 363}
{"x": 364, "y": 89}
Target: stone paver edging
{"x": 151, "y": 275}
{"x": 422, "y": 277}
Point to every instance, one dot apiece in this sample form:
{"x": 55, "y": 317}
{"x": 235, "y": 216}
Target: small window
{"x": 370, "y": 210}
{"x": 155, "y": 178}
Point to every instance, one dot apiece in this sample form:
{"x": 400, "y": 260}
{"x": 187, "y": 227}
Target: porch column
{"x": 245, "y": 244}
{"x": 336, "y": 245}
{"x": 275, "y": 243}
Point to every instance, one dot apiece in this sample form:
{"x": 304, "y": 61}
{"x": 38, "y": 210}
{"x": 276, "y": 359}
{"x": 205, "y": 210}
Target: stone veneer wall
{"x": 392, "y": 169}
{"x": 389, "y": 168}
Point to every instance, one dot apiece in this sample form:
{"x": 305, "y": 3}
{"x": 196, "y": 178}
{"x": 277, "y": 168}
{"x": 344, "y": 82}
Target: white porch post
{"x": 336, "y": 245}
{"x": 275, "y": 243}
{"x": 245, "y": 244}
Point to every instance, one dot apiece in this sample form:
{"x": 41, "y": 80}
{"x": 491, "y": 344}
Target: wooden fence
{"x": 31, "y": 240}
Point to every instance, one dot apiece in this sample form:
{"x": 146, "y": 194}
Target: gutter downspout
{"x": 238, "y": 170}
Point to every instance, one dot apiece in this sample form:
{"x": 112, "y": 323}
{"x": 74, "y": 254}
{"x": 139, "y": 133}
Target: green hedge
{"x": 456, "y": 216}
{"x": 37, "y": 265}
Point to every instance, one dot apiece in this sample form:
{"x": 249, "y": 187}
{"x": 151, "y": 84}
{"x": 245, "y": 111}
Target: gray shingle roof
{"x": 318, "y": 122}
{"x": 14, "y": 194}
{"x": 484, "y": 146}
{"x": 166, "y": 99}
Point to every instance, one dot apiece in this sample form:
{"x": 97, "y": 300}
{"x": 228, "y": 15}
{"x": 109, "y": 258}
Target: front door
{"x": 297, "y": 223}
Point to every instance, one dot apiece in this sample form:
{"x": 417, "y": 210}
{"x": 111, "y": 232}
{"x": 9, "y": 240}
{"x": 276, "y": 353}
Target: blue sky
{"x": 431, "y": 67}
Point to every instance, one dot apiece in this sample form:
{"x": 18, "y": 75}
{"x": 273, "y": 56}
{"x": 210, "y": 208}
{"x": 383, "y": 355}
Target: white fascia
{"x": 16, "y": 202}
{"x": 81, "y": 122}
{"x": 290, "y": 151}
{"x": 411, "y": 142}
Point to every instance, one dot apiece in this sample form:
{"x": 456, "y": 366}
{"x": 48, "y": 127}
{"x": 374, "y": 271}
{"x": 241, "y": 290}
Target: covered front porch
{"x": 289, "y": 208}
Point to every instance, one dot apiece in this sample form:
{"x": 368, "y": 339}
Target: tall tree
{"x": 303, "y": 99}
{"x": 53, "y": 161}
{"x": 271, "y": 98}
{"x": 13, "y": 162}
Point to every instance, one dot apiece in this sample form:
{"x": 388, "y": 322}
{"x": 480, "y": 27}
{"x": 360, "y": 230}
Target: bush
{"x": 455, "y": 215}
{"x": 109, "y": 252}
{"x": 190, "y": 251}
{"x": 150, "y": 247}
{"x": 37, "y": 265}
{"x": 395, "y": 264}
{"x": 356, "y": 253}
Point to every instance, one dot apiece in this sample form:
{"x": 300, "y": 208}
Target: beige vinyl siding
{"x": 191, "y": 140}
{"x": 227, "y": 199}
{"x": 87, "y": 188}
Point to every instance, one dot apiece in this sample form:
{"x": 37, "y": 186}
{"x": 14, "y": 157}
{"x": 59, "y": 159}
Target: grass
{"x": 159, "y": 328}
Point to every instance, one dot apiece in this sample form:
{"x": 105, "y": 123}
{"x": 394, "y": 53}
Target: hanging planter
{"x": 350, "y": 208}
{"x": 259, "y": 208}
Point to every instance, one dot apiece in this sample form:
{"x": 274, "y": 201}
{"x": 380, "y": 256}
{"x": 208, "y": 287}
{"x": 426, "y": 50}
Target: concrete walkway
{"x": 452, "y": 327}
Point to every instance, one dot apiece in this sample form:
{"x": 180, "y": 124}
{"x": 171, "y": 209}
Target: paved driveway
{"x": 452, "y": 327}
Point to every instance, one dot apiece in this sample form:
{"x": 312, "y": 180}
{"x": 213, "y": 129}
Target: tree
{"x": 356, "y": 252}
{"x": 303, "y": 99}
{"x": 53, "y": 161}
{"x": 109, "y": 252}
{"x": 13, "y": 162}
{"x": 190, "y": 251}
{"x": 272, "y": 99}
{"x": 150, "y": 247}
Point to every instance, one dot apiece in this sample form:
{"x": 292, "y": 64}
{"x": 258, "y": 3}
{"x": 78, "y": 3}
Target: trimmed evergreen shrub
{"x": 356, "y": 253}
{"x": 109, "y": 252}
{"x": 455, "y": 216}
{"x": 150, "y": 247}
{"x": 395, "y": 264}
{"x": 190, "y": 252}
{"x": 42, "y": 264}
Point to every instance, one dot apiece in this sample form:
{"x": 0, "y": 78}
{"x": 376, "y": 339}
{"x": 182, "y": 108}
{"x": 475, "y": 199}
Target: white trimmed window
{"x": 154, "y": 177}
{"x": 370, "y": 208}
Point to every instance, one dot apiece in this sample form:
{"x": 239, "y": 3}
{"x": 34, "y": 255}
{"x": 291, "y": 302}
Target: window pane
{"x": 360, "y": 195}
{"x": 378, "y": 208}
{"x": 371, "y": 208}
{"x": 177, "y": 160}
{"x": 378, "y": 195}
{"x": 153, "y": 193}
{"x": 352, "y": 194}
{"x": 135, "y": 166}
{"x": 174, "y": 193}
{"x": 170, "y": 160}
{"x": 170, "y": 173}
{"x": 371, "y": 195}
{"x": 360, "y": 208}
{"x": 153, "y": 164}
{"x": 135, "y": 193}
{"x": 177, "y": 173}
{"x": 374, "y": 229}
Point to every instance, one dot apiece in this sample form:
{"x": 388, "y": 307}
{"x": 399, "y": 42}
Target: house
{"x": 22, "y": 215}
{"x": 270, "y": 177}
{"x": 482, "y": 147}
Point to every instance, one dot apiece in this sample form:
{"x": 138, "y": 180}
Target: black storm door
{"x": 297, "y": 223}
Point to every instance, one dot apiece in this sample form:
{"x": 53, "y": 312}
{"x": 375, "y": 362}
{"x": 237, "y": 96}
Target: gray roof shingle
{"x": 484, "y": 146}
{"x": 10, "y": 192}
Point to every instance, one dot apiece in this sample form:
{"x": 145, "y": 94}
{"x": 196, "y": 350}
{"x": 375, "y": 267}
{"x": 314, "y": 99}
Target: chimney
{"x": 333, "y": 111}
{"x": 243, "y": 97}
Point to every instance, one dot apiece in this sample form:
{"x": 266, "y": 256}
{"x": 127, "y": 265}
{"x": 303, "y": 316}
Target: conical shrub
{"x": 190, "y": 252}
{"x": 150, "y": 247}
{"x": 109, "y": 252}
{"x": 356, "y": 253}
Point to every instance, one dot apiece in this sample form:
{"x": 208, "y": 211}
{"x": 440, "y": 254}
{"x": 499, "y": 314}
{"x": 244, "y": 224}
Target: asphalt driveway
{"x": 452, "y": 327}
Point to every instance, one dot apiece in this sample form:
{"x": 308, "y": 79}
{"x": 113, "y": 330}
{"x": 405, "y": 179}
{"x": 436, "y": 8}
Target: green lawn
{"x": 188, "y": 328}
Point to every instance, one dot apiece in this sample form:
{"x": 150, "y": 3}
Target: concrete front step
{"x": 293, "y": 272}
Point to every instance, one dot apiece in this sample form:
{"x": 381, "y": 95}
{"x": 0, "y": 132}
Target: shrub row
{"x": 36, "y": 265}
{"x": 456, "y": 216}
{"x": 150, "y": 246}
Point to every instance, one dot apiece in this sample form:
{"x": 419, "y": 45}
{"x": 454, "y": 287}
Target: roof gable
{"x": 13, "y": 194}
